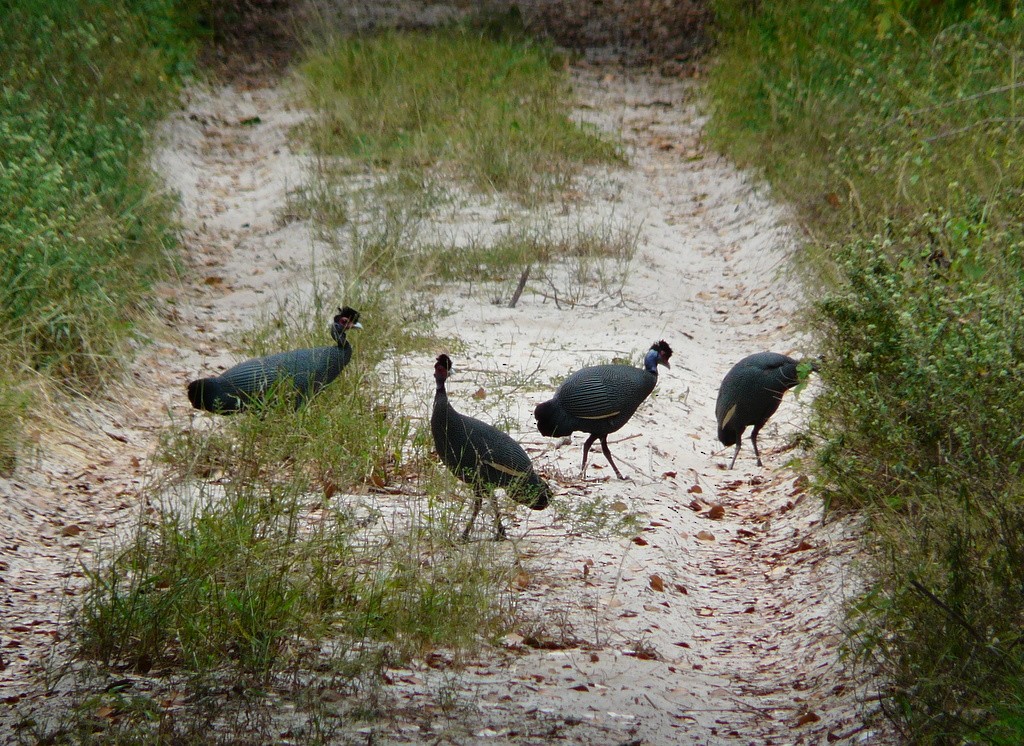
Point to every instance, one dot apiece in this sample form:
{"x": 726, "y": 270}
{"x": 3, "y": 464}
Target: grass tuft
{"x": 490, "y": 109}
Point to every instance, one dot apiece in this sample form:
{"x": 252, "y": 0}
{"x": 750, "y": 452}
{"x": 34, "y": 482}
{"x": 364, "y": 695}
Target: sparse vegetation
{"x": 896, "y": 128}
{"x": 488, "y": 107}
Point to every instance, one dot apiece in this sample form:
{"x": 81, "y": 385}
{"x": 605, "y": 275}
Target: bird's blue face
{"x": 653, "y": 359}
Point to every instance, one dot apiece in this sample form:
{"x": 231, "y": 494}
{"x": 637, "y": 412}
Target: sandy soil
{"x": 709, "y": 626}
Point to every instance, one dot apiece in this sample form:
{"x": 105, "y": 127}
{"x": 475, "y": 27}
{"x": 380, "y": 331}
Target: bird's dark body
{"x": 597, "y": 400}
{"x": 600, "y": 399}
{"x": 309, "y": 370}
{"x": 751, "y": 393}
{"x": 483, "y": 456}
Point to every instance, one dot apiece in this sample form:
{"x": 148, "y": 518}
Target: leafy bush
{"x": 896, "y": 129}
{"x": 83, "y": 228}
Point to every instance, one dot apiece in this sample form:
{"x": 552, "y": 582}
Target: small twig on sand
{"x": 519, "y": 290}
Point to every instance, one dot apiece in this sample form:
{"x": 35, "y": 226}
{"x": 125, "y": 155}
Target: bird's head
{"x": 442, "y": 367}
{"x": 659, "y": 354}
{"x": 346, "y": 318}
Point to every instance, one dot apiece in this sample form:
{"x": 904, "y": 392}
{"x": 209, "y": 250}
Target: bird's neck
{"x": 441, "y": 395}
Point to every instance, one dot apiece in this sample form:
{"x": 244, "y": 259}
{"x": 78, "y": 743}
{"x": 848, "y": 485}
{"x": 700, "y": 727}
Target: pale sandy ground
{"x": 736, "y": 618}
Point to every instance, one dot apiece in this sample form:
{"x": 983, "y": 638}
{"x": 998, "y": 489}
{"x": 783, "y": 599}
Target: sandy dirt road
{"x": 709, "y": 625}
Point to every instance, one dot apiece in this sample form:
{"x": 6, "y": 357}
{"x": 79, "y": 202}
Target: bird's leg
{"x": 586, "y": 450}
{"x": 753, "y": 439}
{"x": 736, "y": 452}
{"x": 608, "y": 455}
{"x": 478, "y": 500}
{"x": 499, "y": 530}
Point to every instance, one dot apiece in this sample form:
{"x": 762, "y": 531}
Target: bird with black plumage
{"x": 482, "y": 456}
{"x": 306, "y": 370}
{"x": 751, "y": 393}
{"x": 600, "y": 399}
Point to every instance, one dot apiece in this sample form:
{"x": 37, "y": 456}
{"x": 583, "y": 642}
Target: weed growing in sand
{"x": 14, "y": 405}
{"x": 597, "y": 515}
{"x": 490, "y": 108}
{"x": 252, "y": 555}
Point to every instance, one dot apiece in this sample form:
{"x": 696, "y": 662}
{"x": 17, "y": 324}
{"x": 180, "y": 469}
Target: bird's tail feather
{"x": 206, "y": 393}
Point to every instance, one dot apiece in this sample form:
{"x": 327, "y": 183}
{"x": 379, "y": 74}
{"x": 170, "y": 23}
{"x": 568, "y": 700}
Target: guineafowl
{"x": 601, "y": 399}
{"x": 482, "y": 456}
{"x": 308, "y": 370}
{"x": 750, "y": 394}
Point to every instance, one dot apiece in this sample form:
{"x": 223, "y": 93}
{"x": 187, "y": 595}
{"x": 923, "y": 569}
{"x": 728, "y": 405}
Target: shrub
{"x": 895, "y": 128}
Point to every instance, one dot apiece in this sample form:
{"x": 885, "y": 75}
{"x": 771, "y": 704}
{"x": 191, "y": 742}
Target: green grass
{"x": 896, "y": 130}
{"x": 84, "y": 227}
{"x": 490, "y": 109}
{"x": 316, "y": 543}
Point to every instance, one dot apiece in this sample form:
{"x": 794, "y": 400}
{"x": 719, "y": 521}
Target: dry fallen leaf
{"x": 480, "y": 393}
{"x": 639, "y": 541}
{"x": 705, "y": 536}
{"x": 716, "y": 513}
{"x": 695, "y": 489}
{"x": 806, "y": 718}
{"x": 657, "y": 583}
{"x": 618, "y": 506}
